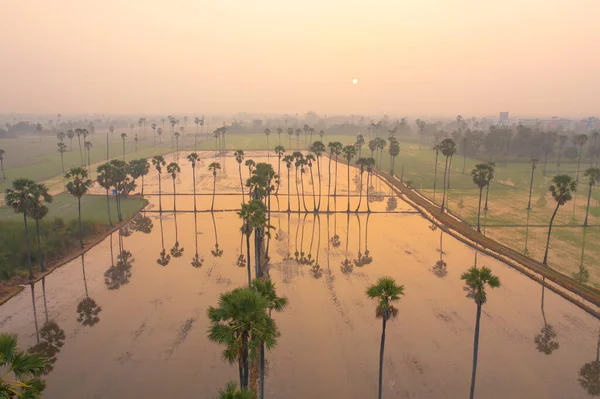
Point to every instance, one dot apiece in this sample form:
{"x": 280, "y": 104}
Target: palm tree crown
{"x": 387, "y": 292}
{"x": 562, "y": 187}
{"x": 476, "y": 281}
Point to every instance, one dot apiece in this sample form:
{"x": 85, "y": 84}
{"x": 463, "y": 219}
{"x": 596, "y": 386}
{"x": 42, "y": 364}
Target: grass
{"x": 93, "y": 208}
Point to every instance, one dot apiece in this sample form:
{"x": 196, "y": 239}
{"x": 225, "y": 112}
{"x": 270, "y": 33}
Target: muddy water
{"x": 136, "y": 326}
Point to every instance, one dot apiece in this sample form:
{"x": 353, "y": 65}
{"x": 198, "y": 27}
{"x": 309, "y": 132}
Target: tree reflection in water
{"x": 583, "y": 274}
{"x": 197, "y": 261}
{"x": 176, "y": 251}
{"x": 589, "y": 374}
{"x": 142, "y": 224}
{"x": 119, "y": 274}
{"x": 164, "y": 257}
{"x": 347, "y": 266}
{"x": 217, "y": 252}
{"x": 440, "y": 268}
{"x": 53, "y": 339}
{"x": 544, "y": 341}
{"x": 316, "y": 267}
{"x": 87, "y": 309}
{"x": 335, "y": 240}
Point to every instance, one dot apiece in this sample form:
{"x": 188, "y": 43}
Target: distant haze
{"x": 412, "y": 57}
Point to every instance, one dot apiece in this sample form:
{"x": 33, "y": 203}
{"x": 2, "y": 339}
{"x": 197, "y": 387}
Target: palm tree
{"x": 88, "y": 147}
{"x": 387, "y": 293}
{"x": 135, "y": 140}
{"x": 534, "y": 162}
{"x": 173, "y": 169}
{"x": 476, "y": 281}
{"x": 298, "y": 132}
{"x": 78, "y": 186}
{"x": 246, "y": 213}
{"x": 20, "y": 199}
{"x": 231, "y": 392}
{"x": 240, "y": 322}
{"x": 594, "y": 175}
{"x": 448, "y": 148}
{"x": 39, "y": 211}
{"x": 70, "y": 135}
{"x": 159, "y": 131}
{"x": 579, "y": 140}
{"x": 153, "y": 126}
{"x": 251, "y": 165}
{"x": 309, "y": 160}
{"x": 62, "y": 147}
{"x": 216, "y": 135}
{"x": 370, "y": 165}
{"x": 290, "y": 133}
{"x": 268, "y": 133}
{"x": 27, "y": 368}
{"x": 318, "y": 148}
{"x": 214, "y": 166}
{"x": 482, "y": 175}
{"x": 123, "y": 136}
{"x": 289, "y": 160}
{"x": 362, "y": 164}
{"x": 2, "y": 152}
{"x": 193, "y": 158}
{"x": 239, "y": 158}
{"x": 176, "y": 135}
{"x": 349, "y": 152}
{"x": 492, "y": 166}
{"x": 561, "y": 188}
{"x": 79, "y": 133}
{"x": 279, "y": 131}
{"x": 279, "y": 150}
{"x": 267, "y": 290}
{"x": 360, "y": 141}
{"x": 394, "y": 151}
{"x": 105, "y": 180}
{"x": 159, "y": 162}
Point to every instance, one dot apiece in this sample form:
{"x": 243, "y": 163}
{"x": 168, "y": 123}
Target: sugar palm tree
{"x": 159, "y": 131}
{"x": 246, "y": 213}
{"x": 20, "y": 199}
{"x": 594, "y": 176}
{"x": 216, "y": 135}
{"x": 534, "y": 162}
{"x": 251, "y": 165}
{"x": 561, "y": 187}
{"x": 279, "y": 150}
{"x": 394, "y": 150}
{"x": 27, "y": 368}
{"x": 231, "y": 392}
{"x": 318, "y": 148}
{"x": 173, "y": 169}
{"x": 62, "y": 147}
{"x": 337, "y": 151}
{"x": 88, "y": 148}
{"x": 476, "y": 281}
{"x": 194, "y": 158}
{"x": 70, "y": 135}
{"x": 153, "y": 126}
{"x": 482, "y": 175}
{"x": 159, "y": 162}
{"x": 334, "y": 151}
{"x": 309, "y": 161}
{"x": 387, "y": 292}
{"x": 279, "y": 131}
{"x": 2, "y": 152}
{"x": 266, "y": 289}
{"x": 362, "y": 164}
{"x": 214, "y": 166}
{"x": 79, "y": 133}
{"x": 447, "y": 148}
{"x": 298, "y": 132}
{"x": 290, "y": 133}
{"x": 176, "y": 135}
{"x": 239, "y": 158}
{"x": 579, "y": 140}
{"x": 78, "y": 186}
{"x": 268, "y": 133}
{"x": 39, "y": 210}
{"x": 349, "y": 152}
{"x": 135, "y": 140}
{"x": 240, "y": 322}
{"x": 289, "y": 160}
{"x": 123, "y": 137}
{"x": 360, "y": 142}
{"x": 105, "y": 180}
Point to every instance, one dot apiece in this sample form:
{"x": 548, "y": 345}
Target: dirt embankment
{"x": 585, "y": 296}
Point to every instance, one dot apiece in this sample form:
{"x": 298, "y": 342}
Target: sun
{"x": 354, "y": 81}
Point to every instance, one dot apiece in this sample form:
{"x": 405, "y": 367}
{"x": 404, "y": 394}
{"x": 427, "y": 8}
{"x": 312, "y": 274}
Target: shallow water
{"x": 149, "y": 338}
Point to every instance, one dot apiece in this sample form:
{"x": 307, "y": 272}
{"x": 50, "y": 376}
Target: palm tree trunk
{"x": 288, "y": 190}
{"x": 159, "y": 194}
{"x": 329, "y": 181}
{"x": 587, "y": 208}
{"x": 62, "y": 164}
{"x": 360, "y": 194}
{"x": 248, "y": 251}
{"x": 80, "y": 152}
{"x": 212, "y": 206}
{"x": 312, "y": 182}
{"x": 487, "y": 194}
{"x": 241, "y": 182}
{"x": 268, "y": 153}
{"x": 444, "y": 184}
{"x": 369, "y": 175}
{"x": 245, "y": 360}
{"x": 319, "y": 173}
{"x": 549, "y": 231}
{"x": 475, "y": 350}
{"x": 80, "y": 231}
{"x": 174, "y": 197}
{"x": 435, "y": 172}
{"x": 303, "y": 199}
{"x": 381, "y": 350}
{"x": 335, "y": 178}
{"x": 123, "y": 149}
{"x": 39, "y": 245}
{"x": 194, "y": 177}
{"x": 530, "y": 186}
{"x": 143, "y": 184}
{"x": 297, "y": 192}
{"x": 278, "y": 173}
{"x": 108, "y": 207}
{"x": 578, "y": 163}
{"x": 348, "y": 185}
{"x": 479, "y": 210}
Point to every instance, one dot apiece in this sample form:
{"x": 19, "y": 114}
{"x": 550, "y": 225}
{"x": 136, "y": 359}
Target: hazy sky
{"x": 412, "y": 57}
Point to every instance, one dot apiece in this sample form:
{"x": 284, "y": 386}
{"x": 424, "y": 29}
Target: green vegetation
{"x": 24, "y": 370}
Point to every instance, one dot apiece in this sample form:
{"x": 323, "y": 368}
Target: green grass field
{"x": 93, "y": 208}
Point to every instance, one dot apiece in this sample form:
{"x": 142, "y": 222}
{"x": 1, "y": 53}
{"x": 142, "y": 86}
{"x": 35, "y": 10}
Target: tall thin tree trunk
{"x": 142, "y": 184}
{"x": 80, "y": 231}
{"x": 159, "y": 194}
{"x": 329, "y": 181}
{"x": 530, "y": 186}
{"x": 435, "y": 172}
{"x": 288, "y": 188}
{"x": 360, "y": 194}
{"x": 319, "y": 173}
{"x": 303, "y": 199}
{"x": 475, "y": 350}
{"x": 262, "y": 370}
{"x": 212, "y": 206}
{"x": 312, "y": 182}
{"x": 248, "y": 250}
{"x": 487, "y": 194}
{"x": 479, "y": 210}
{"x": 39, "y": 245}
{"x": 62, "y": 164}
{"x": 381, "y": 351}
{"x": 444, "y": 184}
{"x": 174, "y": 197}
{"x": 123, "y": 149}
{"x": 587, "y": 208}
{"x": 194, "y": 177}
{"x": 549, "y": 231}
{"x": 348, "y": 185}
{"x": 278, "y": 173}
{"x": 297, "y": 191}
{"x": 335, "y": 178}
{"x": 241, "y": 183}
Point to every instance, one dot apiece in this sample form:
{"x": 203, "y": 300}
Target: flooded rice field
{"x": 133, "y": 308}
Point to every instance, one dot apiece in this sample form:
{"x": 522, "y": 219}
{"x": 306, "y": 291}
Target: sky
{"x": 411, "y": 57}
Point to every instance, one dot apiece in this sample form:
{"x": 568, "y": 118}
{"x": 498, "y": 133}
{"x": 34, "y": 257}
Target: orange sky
{"x": 413, "y": 57}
